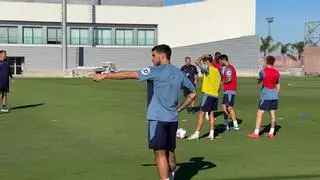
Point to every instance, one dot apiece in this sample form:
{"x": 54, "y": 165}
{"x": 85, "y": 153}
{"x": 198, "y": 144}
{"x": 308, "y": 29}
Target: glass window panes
{"x": 32, "y": 35}
{"x": 124, "y": 37}
{"x": 37, "y": 35}
{"x": 128, "y": 35}
{"x": 141, "y": 37}
{"x": 54, "y": 35}
{"x": 27, "y": 35}
{"x": 84, "y": 36}
{"x": 146, "y": 37}
{"x": 13, "y": 34}
{"x": 3, "y": 35}
{"x": 8, "y": 34}
{"x": 150, "y": 37}
{"x": 79, "y": 36}
{"x": 75, "y": 36}
{"x": 103, "y": 36}
{"x": 119, "y": 37}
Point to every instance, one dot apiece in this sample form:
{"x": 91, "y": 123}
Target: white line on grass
{"x": 304, "y": 85}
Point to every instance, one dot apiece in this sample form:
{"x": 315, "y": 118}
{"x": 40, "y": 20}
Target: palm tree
{"x": 284, "y": 50}
{"x": 266, "y": 46}
{"x": 299, "y": 48}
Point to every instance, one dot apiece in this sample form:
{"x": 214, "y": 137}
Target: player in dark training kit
{"x": 192, "y": 74}
{"x": 164, "y": 85}
{"x": 5, "y": 74}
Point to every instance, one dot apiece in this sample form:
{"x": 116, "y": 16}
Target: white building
{"x": 124, "y": 31}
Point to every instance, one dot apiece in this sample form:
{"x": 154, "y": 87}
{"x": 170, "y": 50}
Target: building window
{"x": 103, "y": 36}
{"x": 124, "y": 37}
{"x": 54, "y": 35}
{"x": 9, "y": 35}
{"x": 32, "y": 35}
{"x": 146, "y": 37}
{"x": 79, "y": 36}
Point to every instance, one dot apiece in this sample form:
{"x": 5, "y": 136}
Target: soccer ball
{"x": 181, "y": 133}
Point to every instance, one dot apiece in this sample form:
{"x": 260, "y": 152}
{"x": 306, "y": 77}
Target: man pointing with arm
{"x": 165, "y": 83}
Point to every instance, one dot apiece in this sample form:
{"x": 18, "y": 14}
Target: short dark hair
{"x": 2, "y": 51}
{"x": 217, "y": 53}
{"x": 224, "y": 57}
{"x": 270, "y": 60}
{"x": 163, "y": 48}
{"x": 210, "y": 58}
{"x": 187, "y": 57}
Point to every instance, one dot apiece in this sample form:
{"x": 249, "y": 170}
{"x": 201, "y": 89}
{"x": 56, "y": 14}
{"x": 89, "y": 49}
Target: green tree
{"x": 299, "y": 48}
{"x": 266, "y": 46}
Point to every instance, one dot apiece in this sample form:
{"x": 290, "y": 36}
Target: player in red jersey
{"x": 215, "y": 62}
{"x": 269, "y": 77}
{"x": 229, "y": 82}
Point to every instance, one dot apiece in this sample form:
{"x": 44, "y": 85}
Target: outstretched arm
{"x": 117, "y": 75}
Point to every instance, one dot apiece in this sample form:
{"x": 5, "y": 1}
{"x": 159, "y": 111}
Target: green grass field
{"x": 76, "y": 129}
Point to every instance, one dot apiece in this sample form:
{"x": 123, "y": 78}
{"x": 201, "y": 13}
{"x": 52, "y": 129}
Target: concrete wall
{"x": 189, "y": 24}
{"x": 125, "y": 58}
{"x": 243, "y": 53}
{"x": 312, "y": 60}
{"x": 42, "y": 58}
{"x": 180, "y": 25}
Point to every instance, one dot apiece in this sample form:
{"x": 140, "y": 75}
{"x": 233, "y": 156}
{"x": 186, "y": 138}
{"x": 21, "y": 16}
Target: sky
{"x": 289, "y": 17}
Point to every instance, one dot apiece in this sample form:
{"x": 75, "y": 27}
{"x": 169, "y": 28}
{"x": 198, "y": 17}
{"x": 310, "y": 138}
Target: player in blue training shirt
{"x": 5, "y": 74}
{"x": 164, "y": 85}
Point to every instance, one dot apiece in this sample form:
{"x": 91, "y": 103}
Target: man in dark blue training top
{"x": 192, "y": 74}
{"x": 5, "y": 74}
{"x": 165, "y": 83}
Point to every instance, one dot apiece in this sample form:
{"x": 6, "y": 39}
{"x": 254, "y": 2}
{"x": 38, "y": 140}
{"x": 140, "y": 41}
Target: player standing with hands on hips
{"x": 162, "y": 113}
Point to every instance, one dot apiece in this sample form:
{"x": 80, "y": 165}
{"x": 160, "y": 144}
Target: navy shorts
{"x": 186, "y": 91}
{"x": 162, "y": 135}
{"x": 209, "y": 103}
{"x": 268, "y": 105}
{"x": 228, "y": 99}
{"x": 4, "y": 89}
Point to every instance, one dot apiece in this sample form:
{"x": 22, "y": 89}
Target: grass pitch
{"x": 76, "y": 129}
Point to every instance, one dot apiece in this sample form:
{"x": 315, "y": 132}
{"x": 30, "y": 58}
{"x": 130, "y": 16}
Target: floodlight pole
{"x": 269, "y": 21}
{"x": 64, "y": 35}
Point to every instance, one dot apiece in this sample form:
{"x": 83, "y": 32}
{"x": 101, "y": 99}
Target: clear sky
{"x": 289, "y": 17}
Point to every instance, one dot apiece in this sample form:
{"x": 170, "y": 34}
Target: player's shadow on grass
{"x": 266, "y": 129}
{"x": 26, "y": 106}
{"x": 221, "y": 128}
{"x": 188, "y": 170}
{"x": 293, "y": 177}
